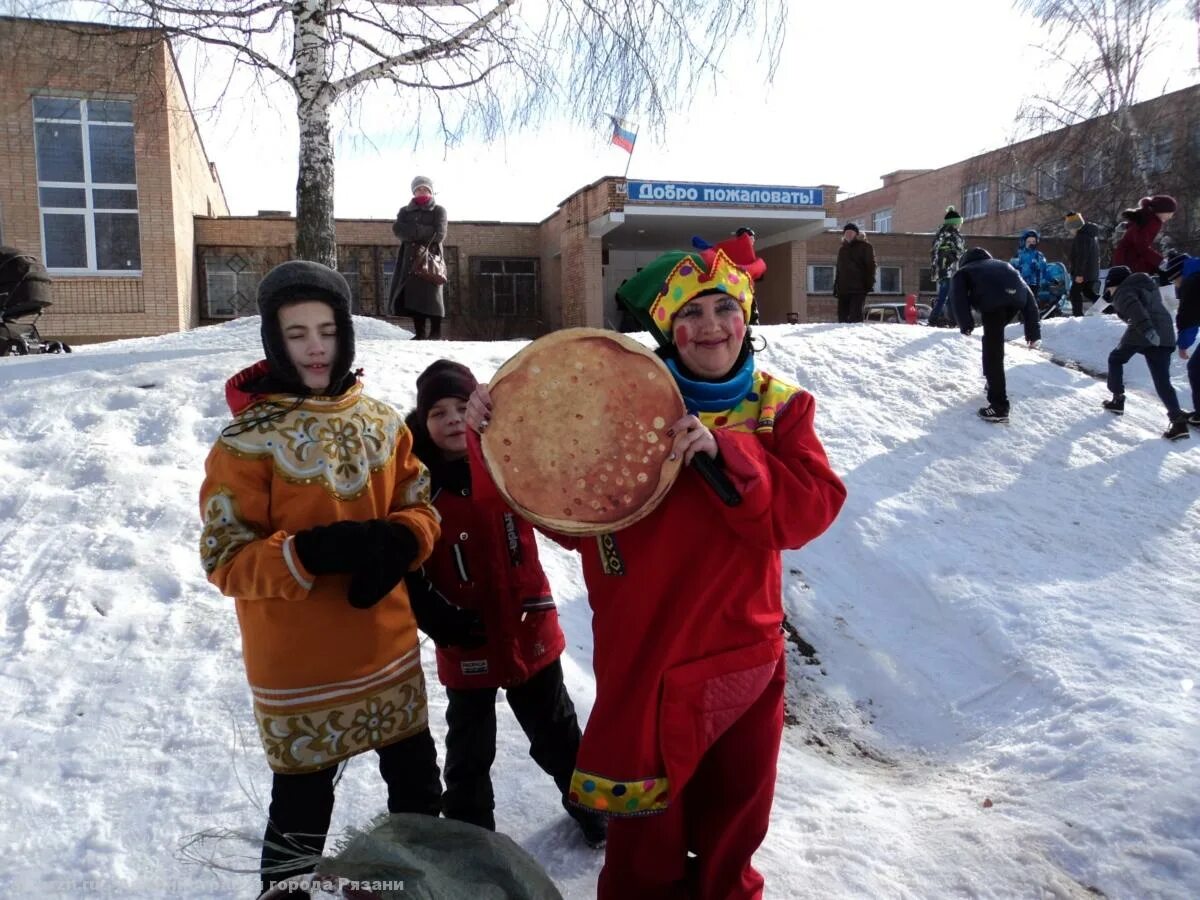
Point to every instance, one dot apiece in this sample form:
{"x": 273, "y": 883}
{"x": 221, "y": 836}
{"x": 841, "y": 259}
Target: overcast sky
{"x": 863, "y": 88}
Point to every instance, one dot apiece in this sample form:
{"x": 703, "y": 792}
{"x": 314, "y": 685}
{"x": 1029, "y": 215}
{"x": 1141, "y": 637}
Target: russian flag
{"x": 623, "y": 134}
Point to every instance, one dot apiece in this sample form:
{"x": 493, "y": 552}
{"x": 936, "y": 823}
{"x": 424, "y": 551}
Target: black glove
{"x": 447, "y": 624}
{"x": 332, "y": 549}
{"x": 387, "y": 554}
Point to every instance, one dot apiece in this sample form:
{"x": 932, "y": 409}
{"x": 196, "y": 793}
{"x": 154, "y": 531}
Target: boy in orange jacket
{"x": 314, "y": 508}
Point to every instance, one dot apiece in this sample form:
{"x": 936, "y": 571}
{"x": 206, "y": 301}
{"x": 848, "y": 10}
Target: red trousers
{"x": 720, "y": 815}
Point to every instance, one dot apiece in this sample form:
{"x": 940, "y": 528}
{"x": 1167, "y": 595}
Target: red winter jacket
{"x": 687, "y": 610}
{"x": 1136, "y": 247}
{"x": 487, "y": 561}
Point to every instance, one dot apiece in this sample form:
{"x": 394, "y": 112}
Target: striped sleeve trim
{"x": 293, "y": 564}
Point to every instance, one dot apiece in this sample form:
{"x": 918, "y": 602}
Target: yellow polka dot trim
{"x": 618, "y": 798}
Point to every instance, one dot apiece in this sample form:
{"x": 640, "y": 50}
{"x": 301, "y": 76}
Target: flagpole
{"x": 628, "y": 161}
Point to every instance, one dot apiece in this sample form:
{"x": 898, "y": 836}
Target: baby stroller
{"x": 24, "y": 293}
{"x": 1053, "y": 294}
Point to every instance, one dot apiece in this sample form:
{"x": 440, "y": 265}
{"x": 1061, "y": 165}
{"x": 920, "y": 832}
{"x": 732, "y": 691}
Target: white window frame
{"x": 878, "y": 288}
{"x": 881, "y": 221}
{"x": 812, "y": 267}
{"x": 975, "y": 200}
{"x": 1052, "y": 179}
{"x": 88, "y": 211}
{"x": 1009, "y": 195}
{"x": 217, "y": 272}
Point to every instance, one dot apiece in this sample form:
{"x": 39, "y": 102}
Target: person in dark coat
{"x": 1083, "y": 264}
{"x": 484, "y": 599}
{"x": 855, "y": 274}
{"x": 1150, "y": 333}
{"x": 1135, "y": 249}
{"x": 948, "y": 246}
{"x": 999, "y": 292}
{"x": 422, "y": 221}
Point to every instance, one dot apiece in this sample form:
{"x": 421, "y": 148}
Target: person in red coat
{"x": 682, "y": 744}
{"x": 484, "y": 599}
{"x": 1136, "y": 247}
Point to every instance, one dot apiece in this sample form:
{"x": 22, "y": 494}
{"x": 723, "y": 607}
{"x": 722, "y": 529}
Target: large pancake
{"x": 577, "y": 441}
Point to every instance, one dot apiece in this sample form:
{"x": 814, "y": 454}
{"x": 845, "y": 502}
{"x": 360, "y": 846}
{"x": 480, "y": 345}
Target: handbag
{"x": 427, "y": 265}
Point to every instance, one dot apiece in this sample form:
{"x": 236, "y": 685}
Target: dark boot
{"x": 1179, "y": 428}
{"x": 1116, "y": 404}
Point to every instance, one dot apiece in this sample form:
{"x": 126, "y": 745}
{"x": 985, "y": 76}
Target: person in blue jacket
{"x": 1030, "y": 261}
{"x": 997, "y": 290}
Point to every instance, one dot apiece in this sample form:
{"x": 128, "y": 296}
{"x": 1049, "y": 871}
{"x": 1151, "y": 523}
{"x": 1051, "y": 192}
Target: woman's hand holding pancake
{"x": 691, "y": 437}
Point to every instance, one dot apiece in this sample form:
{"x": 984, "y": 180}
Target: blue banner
{"x": 727, "y": 194}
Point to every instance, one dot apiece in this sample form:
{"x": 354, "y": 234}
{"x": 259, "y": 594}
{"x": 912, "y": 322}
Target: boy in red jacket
{"x": 484, "y": 599}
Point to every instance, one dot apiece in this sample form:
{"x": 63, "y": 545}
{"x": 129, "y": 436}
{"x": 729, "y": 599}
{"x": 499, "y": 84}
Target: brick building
{"x": 103, "y": 175}
{"x": 102, "y": 172}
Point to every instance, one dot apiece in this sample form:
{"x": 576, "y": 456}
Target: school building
{"x": 104, "y": 176}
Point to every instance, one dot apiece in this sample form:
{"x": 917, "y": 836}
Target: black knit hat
{"x": 295, "y": 282}
{"x": 1115, "y": 276}
{"x": 850, "y": 226}
{"x": 443, "y": 378}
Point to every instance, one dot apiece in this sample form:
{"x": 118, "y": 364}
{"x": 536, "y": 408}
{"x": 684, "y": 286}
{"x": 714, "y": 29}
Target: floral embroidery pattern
{"x": 337, "y": 443}
{"x": 314, "y": 739}
{"x": 224, "y": 533}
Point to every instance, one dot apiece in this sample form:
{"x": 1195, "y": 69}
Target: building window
{"x": 87, "y": 185}
{"x": 1094, "y": 171}
{"x": 887, "y": 280}
{"x": 925, "y": 282}
{"x": 1156, "y": 151}
{"x": 975, "y": 200}
{"x": 506, "y": 287}
{"x": 231, "y": 286}
{"x": 882, "y": 221}
{"x": 347, "y": 265}
{"x": 1010, "y": 195}
{"x": 1052, "y": 180}
{"x": 820, "y": 279}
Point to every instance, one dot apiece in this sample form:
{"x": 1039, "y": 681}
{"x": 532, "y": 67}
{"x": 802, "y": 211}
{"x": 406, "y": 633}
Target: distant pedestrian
{"x": 854, "y": 277}
{"x": 997, "y": 290}
{"x": 948, "y": 246}
{"x": 1150, "y": 333}
{"x": 1084, "y": 262}
{"x": 1135, "y": 249}
{"x": 421, "y": 226}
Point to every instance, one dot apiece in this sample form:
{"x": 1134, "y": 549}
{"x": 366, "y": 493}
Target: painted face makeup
{"x": 708, "y": 333}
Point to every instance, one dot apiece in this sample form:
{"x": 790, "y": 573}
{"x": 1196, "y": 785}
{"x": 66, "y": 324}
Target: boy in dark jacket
{"x": 997, "y": 290}
{"x": 1184, "y": 272}
{"x": 1084, "y": 261}
{"x": 485, "y": 601}
{"x": 948, "y": 246}
{"x": 1150, "y": 333}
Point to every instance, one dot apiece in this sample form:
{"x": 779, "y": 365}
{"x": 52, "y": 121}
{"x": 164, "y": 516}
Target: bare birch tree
{"x": 479, "y": 65}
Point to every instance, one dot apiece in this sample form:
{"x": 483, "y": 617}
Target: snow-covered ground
{"x": 1002, "y": 699}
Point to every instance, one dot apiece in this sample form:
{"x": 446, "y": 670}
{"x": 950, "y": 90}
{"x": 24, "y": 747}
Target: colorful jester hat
{"x": 655, "y": 294}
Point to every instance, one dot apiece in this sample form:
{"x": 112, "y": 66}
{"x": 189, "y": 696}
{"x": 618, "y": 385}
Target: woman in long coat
{"x": 422, "y": 221}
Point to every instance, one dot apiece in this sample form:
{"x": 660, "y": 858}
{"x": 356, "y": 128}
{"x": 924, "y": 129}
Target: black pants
{"x": 993, "y": 357}
{"x": 1158, "y": 361}
{"x": 1078, "y": 293}
{"x": 427, "y": 327}
{"x": 302, "y": 805}
{"x": 850, "y": 307}
{"x": 545, "y": 713}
